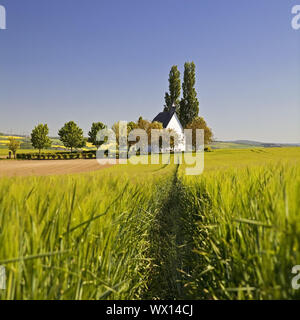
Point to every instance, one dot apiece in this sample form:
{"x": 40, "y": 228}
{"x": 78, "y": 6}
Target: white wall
{"x": 175, "y": 125}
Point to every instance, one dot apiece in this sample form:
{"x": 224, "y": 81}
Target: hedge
{"x": 67, "y": 155}
{"x": 57, "y": 155}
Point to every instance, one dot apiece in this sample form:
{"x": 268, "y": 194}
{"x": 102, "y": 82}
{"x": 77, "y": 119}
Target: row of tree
{"x": 71, "y": 135}
{"x": 187, "y": 107}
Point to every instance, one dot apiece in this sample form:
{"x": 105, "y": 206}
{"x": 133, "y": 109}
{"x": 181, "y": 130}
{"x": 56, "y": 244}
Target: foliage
{"x": 173, "y": 97}
{"x": 39, "y": 137}
{"x": 199, "y": 123}
{"x": 116, "y": 129}
{"x": 143, "y": 124}
{"x": 152, "y": 135}
{"x": 96, "y": 127}
{"x": 189, "y": 104}
{"x": 174, "y": 138}
{"x": 13, "y": 145}
{"x": 71, "y": 136}
{"x": 130, "y": 127}
{"x": 208, "y": 149}
{"x": 57, "y": 155}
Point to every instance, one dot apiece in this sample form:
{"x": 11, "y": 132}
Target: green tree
{"x": 143, "y": 124}
{"x": 200, "y": 123}
{"x": 39, "y": 137}
{"x": 130, "y": 126}
{"x": 189, "y": 104}
{"x": 71, "y": 136}
{"x": 13, "y": 145}
{"x": 96, "y": 127}
{"x": 174, "y": 139}
{"x": 173, "y": 96}
{"x": 153, "y": 135}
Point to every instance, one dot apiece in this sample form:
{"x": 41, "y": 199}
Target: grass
{"x": 246, "y": 232}
{"x": 132, "y": 232}
{"x": 242, "y": 158}
{"x": 75, "y": 242}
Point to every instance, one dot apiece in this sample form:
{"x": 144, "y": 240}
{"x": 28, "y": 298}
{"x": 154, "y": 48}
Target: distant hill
{"x": 245, "y": 144}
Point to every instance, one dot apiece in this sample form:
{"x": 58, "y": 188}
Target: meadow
{"x": 150, "y": 232}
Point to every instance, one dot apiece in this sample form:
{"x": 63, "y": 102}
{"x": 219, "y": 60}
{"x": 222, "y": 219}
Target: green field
{"x": 231, "y": 145}
{"x": 132, "y": 232}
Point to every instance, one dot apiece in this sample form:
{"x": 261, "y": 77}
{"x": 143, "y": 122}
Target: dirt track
{"x": 12, "y": 168}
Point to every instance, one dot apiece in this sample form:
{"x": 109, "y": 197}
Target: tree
{"x": 130, "y": 126}
{"x": 13, "y": 145}
{"x": 71, "y": 136}
{"x": 152, "y": 135}
{"x": 116, "y": 129}
{"x": 96, "y": 127}
{"x": 189, "y": 105}
{"x": 199, "y": 123}
{"x": 174, "y": 139}
{"x": 39, "y": 137}
{"x": 143, "y": 124}
{"x": 173, "y": 97}
{"x": 148, "y": 126}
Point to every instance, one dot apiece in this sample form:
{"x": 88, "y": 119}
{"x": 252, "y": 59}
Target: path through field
{"x": 12, "y": 168}
{"x": 170, "y": 241}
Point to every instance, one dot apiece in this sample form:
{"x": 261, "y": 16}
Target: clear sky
{"x": 108, "y": 60}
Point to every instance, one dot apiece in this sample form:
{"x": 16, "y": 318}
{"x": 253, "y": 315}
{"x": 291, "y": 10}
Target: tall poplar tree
{"x": 189, "y": 104}
{"x": 173, "y": 96}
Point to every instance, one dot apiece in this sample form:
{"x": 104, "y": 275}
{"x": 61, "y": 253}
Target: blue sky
{"x": 108, "y": 60}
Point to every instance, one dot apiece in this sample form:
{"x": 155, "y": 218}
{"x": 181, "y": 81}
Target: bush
{"x": 58, "y": 155}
